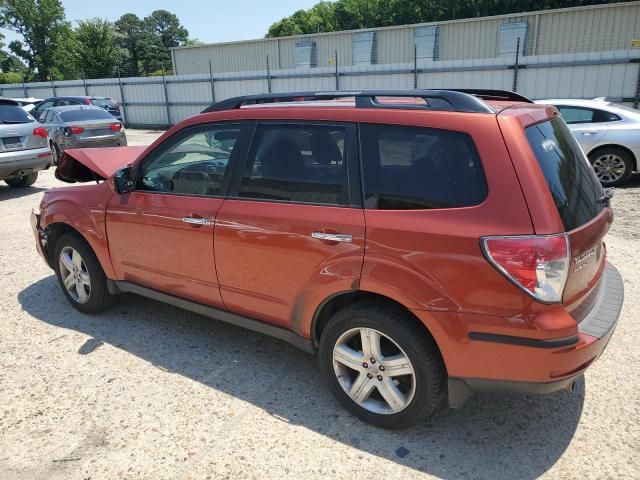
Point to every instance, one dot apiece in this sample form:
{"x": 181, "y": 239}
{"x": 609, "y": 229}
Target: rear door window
{"x": 576, "y": 115}
{"x": 297, "y": 163}
{"x": 573, "y": 184}
{"x": 414, "y": 168}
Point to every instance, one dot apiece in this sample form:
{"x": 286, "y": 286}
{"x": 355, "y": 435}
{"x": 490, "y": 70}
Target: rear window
{"x": 79, "y": 115}
{"x": 103, "y": 102}
{"x": 415, "y": 168}
{"x": 12, "y": 114}
{"x": 573, "y": 184}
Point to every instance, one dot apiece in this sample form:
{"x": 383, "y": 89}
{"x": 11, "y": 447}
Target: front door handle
{"x": 196, "y": 221}
{"x": 332, "y": 237}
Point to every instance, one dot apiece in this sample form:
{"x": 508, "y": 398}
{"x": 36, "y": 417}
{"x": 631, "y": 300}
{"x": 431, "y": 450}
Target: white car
{"x": 608, "y": 133}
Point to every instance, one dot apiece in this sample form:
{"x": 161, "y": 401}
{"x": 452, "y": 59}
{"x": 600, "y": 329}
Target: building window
{"x": 364, "y": 48}
{"x": 306, "y": 54}
{"x": 427, "y": 42}
{"x": 508, "y": 40}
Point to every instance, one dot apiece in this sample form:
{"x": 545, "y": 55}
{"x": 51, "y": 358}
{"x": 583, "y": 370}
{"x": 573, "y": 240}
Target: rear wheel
{"x": 612, "y": 165}
{"x": 80, "y": 275}
{"x": 55, "y": 154}
{"x": 381, "y": 366}
{"x": 22, "y": 181}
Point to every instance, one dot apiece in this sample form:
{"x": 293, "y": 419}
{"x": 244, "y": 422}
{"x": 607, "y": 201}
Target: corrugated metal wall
{"x": 573, "y": 30}
{"x": 600, "y": 64}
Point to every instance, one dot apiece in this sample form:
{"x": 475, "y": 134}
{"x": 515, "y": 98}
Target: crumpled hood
{"x": 90, "y": 164}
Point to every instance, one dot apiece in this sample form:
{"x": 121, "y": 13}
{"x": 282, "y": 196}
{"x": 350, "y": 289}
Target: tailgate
{"x": 580, "y": 202}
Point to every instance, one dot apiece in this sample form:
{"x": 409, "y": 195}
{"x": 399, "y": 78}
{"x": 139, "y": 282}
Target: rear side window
{"x": 12, "y": 114}
{"x": 574, "y": 115}
{"x": 573, "y": 184}
{"x": 80, "y": 115}
{"x": 414, "y": 168}
{"x": 297, "y": 163}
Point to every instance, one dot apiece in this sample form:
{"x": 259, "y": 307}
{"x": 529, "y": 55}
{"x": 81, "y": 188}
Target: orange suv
{"x": 425, "y": 244}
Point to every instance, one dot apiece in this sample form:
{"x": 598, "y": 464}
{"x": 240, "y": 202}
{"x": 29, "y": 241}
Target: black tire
{"x": 418, "y": 346}
{"x": 619, "y": 152}
{"x": 55, "y": 154}
{"x": 99, "y": 297}
{"x": 23, "y": 181}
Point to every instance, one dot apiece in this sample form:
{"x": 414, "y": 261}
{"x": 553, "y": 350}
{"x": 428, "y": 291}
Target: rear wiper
{"x": 607, "y": 194}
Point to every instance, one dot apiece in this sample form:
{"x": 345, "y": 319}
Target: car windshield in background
{"x": 80, "y": 115}
{"x": 12, "y": 114}
{"x": 573, "y": 183}
{"x": 103, "y": 102}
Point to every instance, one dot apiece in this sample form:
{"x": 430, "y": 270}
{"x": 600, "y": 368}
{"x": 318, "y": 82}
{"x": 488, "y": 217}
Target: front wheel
{"x": 612, "y": 165}
{"x": 22, "y": 181}
{"x": 80, "y": 274}
{"x": 381, "y": 366}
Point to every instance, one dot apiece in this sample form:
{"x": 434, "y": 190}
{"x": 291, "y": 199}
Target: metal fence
{"x": 158, "y": 102}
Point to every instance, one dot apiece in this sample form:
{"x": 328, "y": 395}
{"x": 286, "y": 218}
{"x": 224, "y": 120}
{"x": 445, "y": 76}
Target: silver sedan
{"x": 608, "y": 133}
{"x": 81, "y": 126}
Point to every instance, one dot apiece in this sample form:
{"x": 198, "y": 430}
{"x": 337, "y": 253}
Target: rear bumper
{"x": 26, "y": 161}
{"x": 516, "y": 363}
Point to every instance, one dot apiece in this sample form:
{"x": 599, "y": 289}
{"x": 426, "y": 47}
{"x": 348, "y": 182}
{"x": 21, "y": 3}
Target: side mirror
{"x": 124, "y": 180}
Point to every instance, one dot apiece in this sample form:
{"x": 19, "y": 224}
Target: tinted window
{"x": 572, "y": 182}
{"x": 420, "y": 168}
{"x": 79, "y": 115}
{"x": 572, "y": 115}
{"x": 10, "y": 114}
{"x": 297, "y": 163}
{"x": 194, "y": 165}
{"x": 102, "y": 102}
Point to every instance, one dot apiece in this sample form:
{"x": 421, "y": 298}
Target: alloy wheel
{"x": 74, "y": 274}
{"x": 374, "y": 371}
{"x": 609, "y": 167}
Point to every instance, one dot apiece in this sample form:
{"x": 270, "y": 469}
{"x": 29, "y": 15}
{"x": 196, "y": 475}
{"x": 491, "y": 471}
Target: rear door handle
{"x": 332, "y": 237}
{"x": 196, "y": 221}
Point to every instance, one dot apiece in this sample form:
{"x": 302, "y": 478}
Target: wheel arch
{"x": 340, "y": 300}
{"x": 615, "y": 145}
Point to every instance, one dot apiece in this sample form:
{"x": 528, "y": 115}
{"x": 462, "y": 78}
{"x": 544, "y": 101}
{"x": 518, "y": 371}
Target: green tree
{"x": 42, "y": 26}
{"x": 355, "y": 14}
{"x": 96, "y": 51}
{"x": 130, "y": 33}
{"x": 162, "y": 31}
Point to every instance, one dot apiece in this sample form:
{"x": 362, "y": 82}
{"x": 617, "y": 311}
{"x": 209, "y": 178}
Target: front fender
{"x": 83, "y": 209}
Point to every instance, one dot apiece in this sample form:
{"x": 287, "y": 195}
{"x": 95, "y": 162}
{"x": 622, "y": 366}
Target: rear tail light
{"x": 538, "y": 264}
{"x": 40, "y": 132}
{"x": 76, "y": 130}
{"x": 116, "y": 127}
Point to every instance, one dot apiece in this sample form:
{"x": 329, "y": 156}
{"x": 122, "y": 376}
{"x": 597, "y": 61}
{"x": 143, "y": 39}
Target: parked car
{"x": 23, "y": 146}
{"x": 81, "y": 126}
{"x": 28, "y": 104}
{"x": 108, "y": 104}
{"x": 608, "y": 133}
{"x": 422, "y": 250}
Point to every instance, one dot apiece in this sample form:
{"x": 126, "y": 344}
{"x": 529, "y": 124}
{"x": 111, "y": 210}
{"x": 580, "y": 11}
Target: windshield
{"x": 11, "y": 114}
{"x": 80, "y": 115}
{"x": 573, "y": 183}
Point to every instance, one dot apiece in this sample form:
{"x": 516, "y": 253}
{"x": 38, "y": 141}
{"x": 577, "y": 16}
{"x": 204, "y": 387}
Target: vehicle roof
{"x": 66, "y": 108}
{"x": 594, "y": 103}
{"x": 77, "y": 97}
{"x": 8, "y": 101}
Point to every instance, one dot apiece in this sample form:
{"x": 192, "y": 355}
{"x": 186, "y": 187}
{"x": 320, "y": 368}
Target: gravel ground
{"x": 149, "y": 391}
